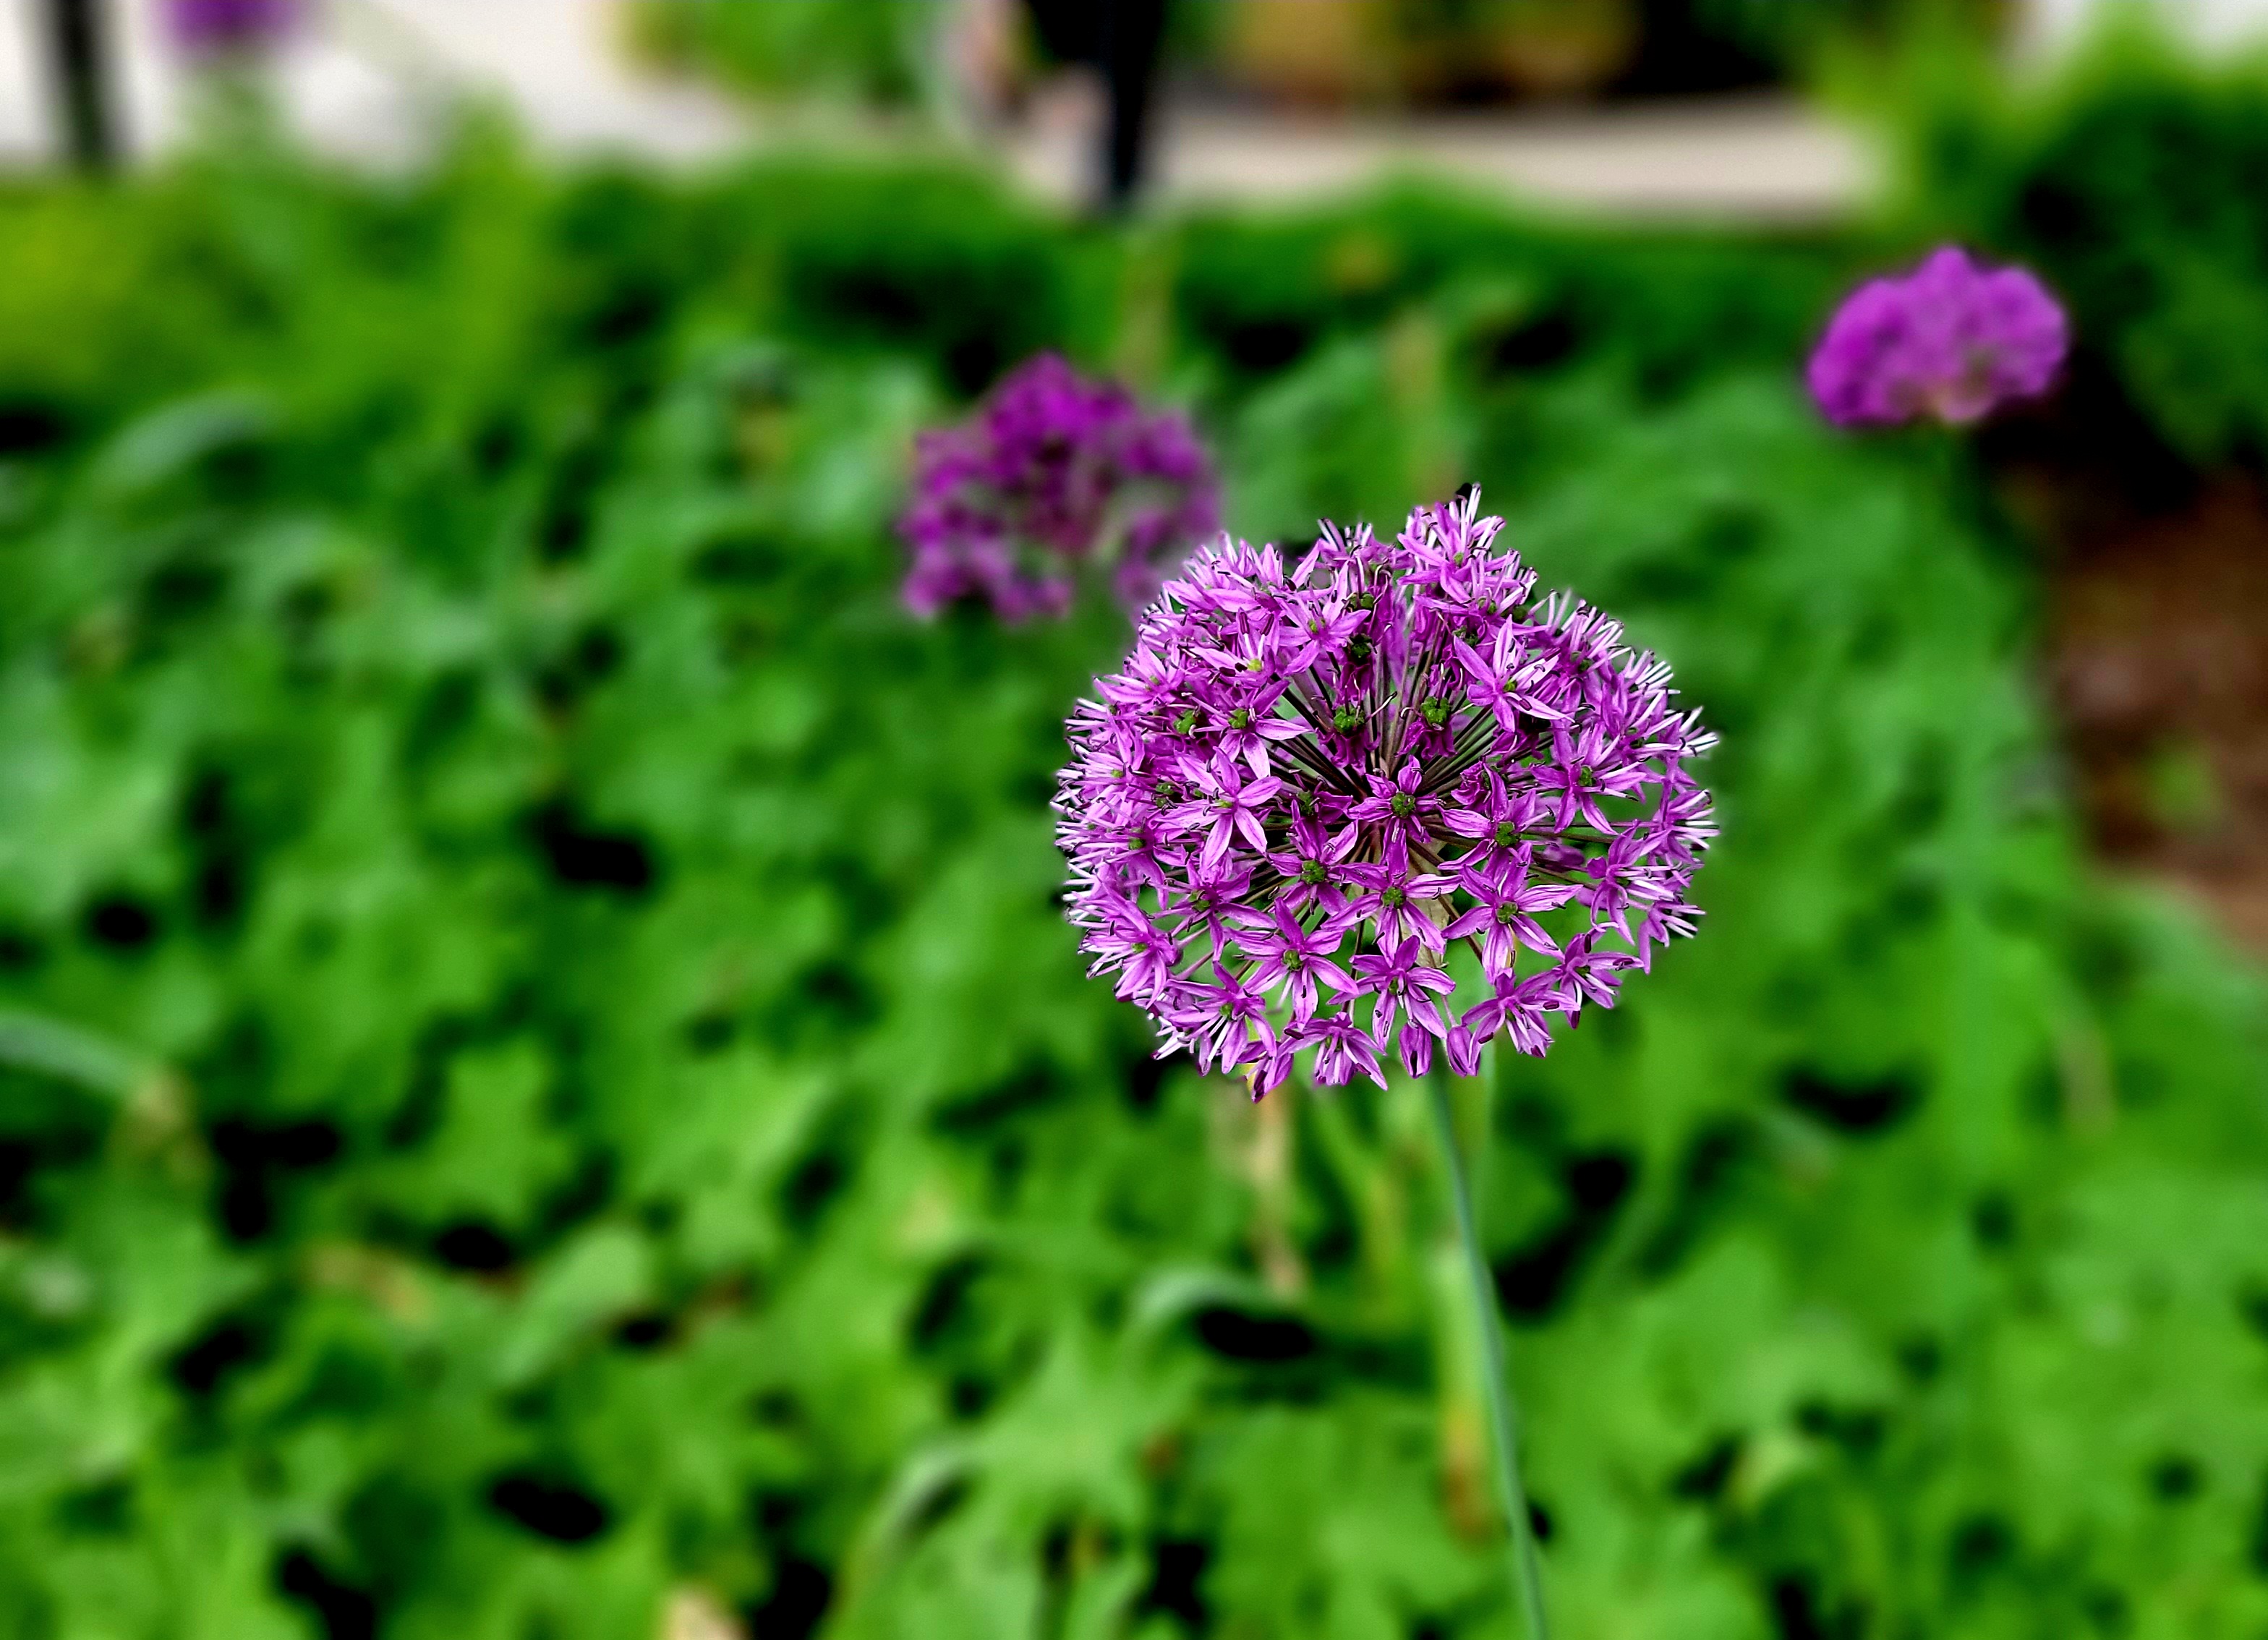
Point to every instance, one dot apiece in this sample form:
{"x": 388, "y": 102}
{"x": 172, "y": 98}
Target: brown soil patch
{"x": 2158, "y": 664}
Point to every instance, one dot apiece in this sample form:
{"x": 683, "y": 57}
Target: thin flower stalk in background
{"x": 1313, "y": 779}
{"x": 1055, "y": 475}
{"x": 1952, "y": 341}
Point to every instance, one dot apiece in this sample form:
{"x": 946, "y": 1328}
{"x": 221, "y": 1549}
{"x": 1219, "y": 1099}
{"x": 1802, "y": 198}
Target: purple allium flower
{"x": 1315, "y": 785}
{"x": 1950, "y": 340}
{"x": 1055, "y": 471}
{"x": 230, "y": 25}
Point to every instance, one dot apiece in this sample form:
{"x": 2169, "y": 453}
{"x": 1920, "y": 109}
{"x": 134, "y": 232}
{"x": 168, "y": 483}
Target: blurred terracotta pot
{"x": 1321, "y": 51}
{"x": 1560, "y": 47}
{"x": 1339, "y": 51}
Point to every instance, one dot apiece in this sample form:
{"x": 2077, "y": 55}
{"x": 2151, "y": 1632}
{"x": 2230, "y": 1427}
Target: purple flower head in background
{"x": 230, "y": 25}
{"x": 1317, "y": 784}
{"x": 1055, "y": 473}
{"x": 1951, "y": 339}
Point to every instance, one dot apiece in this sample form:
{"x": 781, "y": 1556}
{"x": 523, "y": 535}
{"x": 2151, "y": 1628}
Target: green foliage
{"x": 545, "y": 1074}
{"x": 1798, "y": 36}
{"x": 869, "y": 49}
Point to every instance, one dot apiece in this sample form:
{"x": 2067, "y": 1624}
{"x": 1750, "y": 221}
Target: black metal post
{"x": 1134, "y": 31}
{"x": 75, "y": 50}
{"x": 1122, "y": 40}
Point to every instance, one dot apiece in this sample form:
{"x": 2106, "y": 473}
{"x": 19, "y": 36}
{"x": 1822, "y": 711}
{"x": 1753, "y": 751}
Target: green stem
{"x": 1503, "y": 1427}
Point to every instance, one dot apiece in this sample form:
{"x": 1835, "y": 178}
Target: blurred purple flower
{"x": 1951, "y": 339}
{"x": 1053, "y": 473}
{"x": 204, "y": 26}
{"x": 1309, "y": 781}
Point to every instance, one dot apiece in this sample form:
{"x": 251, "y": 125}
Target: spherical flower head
{"x": 1054, "y": 475}
{"x": 1952, "y": 340}
{"x": 229, "y": 26}
{"x": 1320, "y": 786}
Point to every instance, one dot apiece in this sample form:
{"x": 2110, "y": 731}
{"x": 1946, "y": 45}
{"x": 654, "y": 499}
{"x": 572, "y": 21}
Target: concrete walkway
{"x": 366, "y": 87}
{"x": 1766, "y": 159}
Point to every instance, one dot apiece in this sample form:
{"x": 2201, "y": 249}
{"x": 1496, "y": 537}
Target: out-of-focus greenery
{"x": 872, "y": 50}
{"x": 880, "y": 50}
{"x": 1793, "y": 36}
{"x": 546, "y": 1084}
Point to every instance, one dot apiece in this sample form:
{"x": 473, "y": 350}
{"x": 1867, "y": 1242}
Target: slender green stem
{"x": 1503, "y": 1427}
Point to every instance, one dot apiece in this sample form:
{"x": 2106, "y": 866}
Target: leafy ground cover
{"x": 548, "y": 1091}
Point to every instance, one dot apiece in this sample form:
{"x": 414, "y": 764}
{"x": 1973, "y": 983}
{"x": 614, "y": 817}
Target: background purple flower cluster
{"x": 1951, "y": 339}
{"x": 220, "y": 25}
{"x": 1055, "y": 473}
{"x": 1311, "y": 781}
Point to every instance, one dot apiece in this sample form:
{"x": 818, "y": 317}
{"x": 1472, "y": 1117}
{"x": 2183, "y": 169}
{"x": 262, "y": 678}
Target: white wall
{"x": 26, "y": 120}
{"x": 360, "y": 83}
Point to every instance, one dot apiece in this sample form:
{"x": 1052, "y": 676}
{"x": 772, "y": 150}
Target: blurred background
{"x": 544, "y": 1090}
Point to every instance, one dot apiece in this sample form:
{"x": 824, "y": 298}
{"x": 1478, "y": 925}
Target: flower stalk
{"x": 1496, "y": 1389}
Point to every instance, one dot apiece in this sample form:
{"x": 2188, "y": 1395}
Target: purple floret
{"x": 230, "y": 25}
{"x": 1055, "y": 473}
{"x": 1315, "y": 783}
{"x": 1952, "y": 340}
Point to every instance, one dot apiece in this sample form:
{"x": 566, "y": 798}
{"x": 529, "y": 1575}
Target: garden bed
{"x": 601, "y": 1113}
{"x": 2158, "y": 660}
